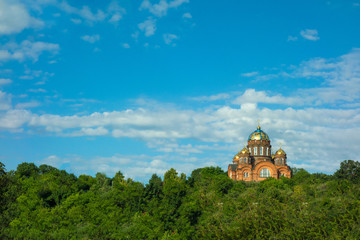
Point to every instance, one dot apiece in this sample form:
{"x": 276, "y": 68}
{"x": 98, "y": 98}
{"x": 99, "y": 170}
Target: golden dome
{"x": 244, "y": 150}
{"x": 280, "y": 151}
{"x": 258, "y": 134}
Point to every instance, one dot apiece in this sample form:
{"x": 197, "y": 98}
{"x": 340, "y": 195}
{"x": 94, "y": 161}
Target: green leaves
{"x": 47, "y": 203}
{"x": 350, "y": 170}
{"x": 27, "y": 170}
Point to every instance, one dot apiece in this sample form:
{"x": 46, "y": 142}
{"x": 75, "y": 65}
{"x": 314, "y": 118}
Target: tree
{"x": 27, "y": 169}
{"x": 2, "y": 169}
{"x": 350, "y": 170}
{"x": 46, "y": 168}
{"x": 102, "y": 182}
{"x": 3, "y": 185}
{"x": 119, "y": 182}
{"x": 3, "y": 179}
{"x": 300, "y": 175}
{"x": 153, "y": 190}
{"x": 85, "y": 182}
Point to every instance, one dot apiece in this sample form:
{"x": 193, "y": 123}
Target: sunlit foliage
{"x": 46, "y": 203}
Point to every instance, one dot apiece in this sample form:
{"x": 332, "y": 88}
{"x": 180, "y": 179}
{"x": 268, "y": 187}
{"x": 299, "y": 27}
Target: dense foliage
{"x": 46, "y": 203}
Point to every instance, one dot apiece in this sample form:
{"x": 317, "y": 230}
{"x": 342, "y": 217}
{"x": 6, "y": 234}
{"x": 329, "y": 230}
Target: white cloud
{"x": 135, "y": 35}
{"x": 99, "y": 131}
{"x": 116, "y": 12}
{"x": 187, "y": 15}
{"x": 184, "y": 150}
{"x": 292, "y": 38}
{"x": 37, "y": 74}
{"x": 115, "y": 18}
{"x": 339, "y": 77}
{"x": 169, "y": 38}
{"x": 26, "y": 50}
{"x": 31, "y": 104}
{"x": 5, "y": 101}
{"x": 253, "y": 96}
{"x": 14, "y": 118}
{"x": 76, "y": 20}
{"x": 148, "y": 27}
{"x": 126, "y": 45}
{"x": 109, "y": 165}
{"x": 113, "y": 14}
{"x": 249, "y": 74}
{"x": 316, "y": 137}
{"x": 160, "y": 9}
{"x": 310, "y": 136}
{"x": 37, "y": 90}
{"x": 52, "y": 160}
{"x": 91, "y": 38}
{"x": 220, "y": 96}
{"x": 278, "y": 75}
{"x": 310, "y": 34}
{"x": 5, "y": 81}
{"x": 14, "y": 17}
{"x": 85, "y": 12}
{"x": 176, "y": 3}
{"x": 138, "y": 167}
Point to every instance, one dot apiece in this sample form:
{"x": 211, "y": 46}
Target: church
{"x": 255, "y": 162}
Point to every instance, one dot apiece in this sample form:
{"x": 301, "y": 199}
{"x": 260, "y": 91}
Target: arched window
{"x": 246, "y": 174}
{"x": 282, "y": 161}
{"x": 265, "y": 173}
{"x": 250, "y": 150}
{"x": 241, "y": 160}
{"x": 255, "y": 150}
{"x": 246, "y": 160}
{"x": 277, "y": 161}
{"x": 261, "y": 150}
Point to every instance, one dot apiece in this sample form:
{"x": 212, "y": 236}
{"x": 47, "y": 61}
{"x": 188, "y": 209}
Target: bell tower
{"x": 259, "y": 146}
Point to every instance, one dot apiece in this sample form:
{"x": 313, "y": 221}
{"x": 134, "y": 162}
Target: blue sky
{"x": 143, "y": 86}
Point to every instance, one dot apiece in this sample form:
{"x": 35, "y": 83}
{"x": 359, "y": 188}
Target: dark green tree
{"x": 350, "y": 170}
{"x": 154, "y": 189}
{"x": 27, "y": 169}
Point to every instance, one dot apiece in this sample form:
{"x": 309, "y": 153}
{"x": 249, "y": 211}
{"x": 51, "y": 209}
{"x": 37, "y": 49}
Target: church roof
{"x": 244, "y": 150}
{"x": 280, "y": 151}
{"x": 258, "y": 134}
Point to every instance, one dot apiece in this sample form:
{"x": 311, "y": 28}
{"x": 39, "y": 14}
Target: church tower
{"x": 255, "y": 161}
{"x": 259, "y": 146}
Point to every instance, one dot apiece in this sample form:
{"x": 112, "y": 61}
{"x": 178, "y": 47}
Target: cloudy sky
{"x": 142, "y": 86}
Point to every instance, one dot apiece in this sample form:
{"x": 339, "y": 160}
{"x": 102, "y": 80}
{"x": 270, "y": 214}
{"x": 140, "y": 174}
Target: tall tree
{"x": 349, "y": 169}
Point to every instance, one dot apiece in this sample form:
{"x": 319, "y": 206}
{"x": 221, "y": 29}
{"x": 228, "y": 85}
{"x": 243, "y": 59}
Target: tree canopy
{"x": 47, "y": 203}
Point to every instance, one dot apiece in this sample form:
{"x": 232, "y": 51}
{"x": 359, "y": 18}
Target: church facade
{"x": 255, "y": 162}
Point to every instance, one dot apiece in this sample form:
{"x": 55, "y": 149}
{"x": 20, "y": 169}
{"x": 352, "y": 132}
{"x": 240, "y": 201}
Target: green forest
{"x": 42, "y": 202}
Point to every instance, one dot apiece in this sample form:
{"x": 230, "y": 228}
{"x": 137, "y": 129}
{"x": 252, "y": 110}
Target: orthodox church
{"x": 255, "y": 162}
